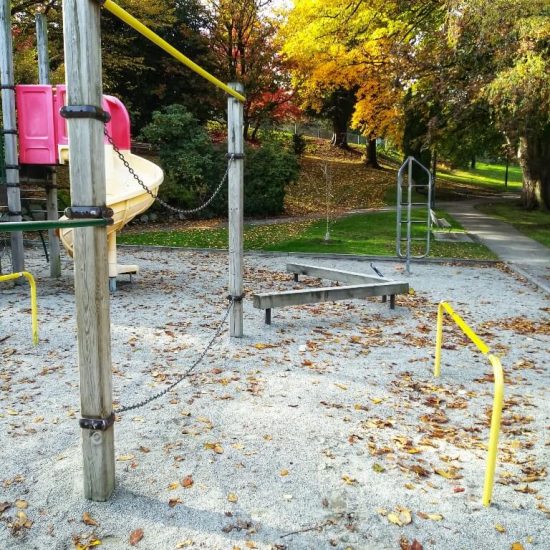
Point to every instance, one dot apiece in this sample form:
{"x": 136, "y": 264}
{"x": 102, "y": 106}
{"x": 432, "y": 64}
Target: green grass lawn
{"x": 533, "y": 223}
{"x": 371, "y": 234}
{"x": 486, "y": 175}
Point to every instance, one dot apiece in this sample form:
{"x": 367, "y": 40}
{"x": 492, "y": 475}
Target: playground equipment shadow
{"x": 306, "y": 434}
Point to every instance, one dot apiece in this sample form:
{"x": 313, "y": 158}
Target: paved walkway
{"x": 526, "y": 256}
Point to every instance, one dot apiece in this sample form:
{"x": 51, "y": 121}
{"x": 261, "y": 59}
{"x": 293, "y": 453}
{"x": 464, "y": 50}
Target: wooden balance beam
{"x": 358, "y": 286}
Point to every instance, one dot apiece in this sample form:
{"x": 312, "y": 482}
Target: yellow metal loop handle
{"x": 34, "y": 306}
{"x": 137, "y": 25}
{"x": 498, "y": 398}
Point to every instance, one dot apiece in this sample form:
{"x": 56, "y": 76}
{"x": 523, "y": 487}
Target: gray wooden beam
{"x": 329, "y": 294}
{"x": 349, "y": 277}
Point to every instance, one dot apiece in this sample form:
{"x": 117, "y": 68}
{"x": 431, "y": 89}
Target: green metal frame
{"x": 10, "y": 227}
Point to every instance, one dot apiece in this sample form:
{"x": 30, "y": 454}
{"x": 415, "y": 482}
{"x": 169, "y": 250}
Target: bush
{"x": 194, "y": 166}
{"x": 298, "y": 144}
{"x": 189, "y": 159}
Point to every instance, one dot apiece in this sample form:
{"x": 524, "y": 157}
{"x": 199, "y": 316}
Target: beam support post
{"x": 51, "y": 183}
{"x": 82, "y": 37}
{"x": 235, "y": 147}
{"x": 10, "y": 140}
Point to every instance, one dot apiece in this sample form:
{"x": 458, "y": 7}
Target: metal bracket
{"x": 90, "y": 212}
{"x": 10, "y": 213}
{"x": 235, "y": 298}
{"x": 235, "y": 156}
{"x": 5, "y": 132}
{"x": 97, "y": 424}
{"x": 85, "y": 111}
{"x": 14, "y": 185}
{"x": 12, "y": 167}
{"x": 7, "y": 87}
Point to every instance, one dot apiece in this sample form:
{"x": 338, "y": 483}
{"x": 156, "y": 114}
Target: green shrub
{"x": 298, "y": 144}
{"x": 187, "y": 155}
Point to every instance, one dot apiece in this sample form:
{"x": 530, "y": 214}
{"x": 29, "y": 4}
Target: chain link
{"x": 158, "y": 199}
{"x": 184, "y": 375}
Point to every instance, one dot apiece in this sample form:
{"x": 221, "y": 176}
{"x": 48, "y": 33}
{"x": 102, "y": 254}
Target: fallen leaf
{"x": 21, "y": 504}
{"x": 144, "y": 449}
{"x": 4, "y": 506}
{"x": 250, "y": 544}
{"x": 377, "y": 400}
{"x": 187, "y": 482}
{"x": 173, "y": 485}
{"x": 184, "y": 543}
{"x": 216, "y": 447}
{"x": 517, "y": 546}
{"x": 341, "y": 386}
{"x": 135, "y": 536}
{"x": 378, "y": 468}
{"x": 174, "y": 501}
{"x": 89, "y": 520}
{"x": 283, "y": 473}
{"x": 349, "y": 480}
{"x": 500, "y": 528}
{"x": 449, "y": 473}
{"x": 232, "y": 497}
{"x": 401, "y": 516}
{"x": 433, "y": 517}
{"x": 124, "y": 458}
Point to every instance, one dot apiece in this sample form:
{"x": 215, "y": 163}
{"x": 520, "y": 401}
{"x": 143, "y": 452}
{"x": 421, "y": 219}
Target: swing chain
{"x": 231, "y": 158}
{"x": 185, "y": 374}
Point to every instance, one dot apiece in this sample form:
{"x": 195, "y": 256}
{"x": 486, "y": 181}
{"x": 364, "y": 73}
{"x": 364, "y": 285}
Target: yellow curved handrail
{"x": 498, "y": 399}
{"x": 137, "y": 25}
{"x": 34, "y": 307}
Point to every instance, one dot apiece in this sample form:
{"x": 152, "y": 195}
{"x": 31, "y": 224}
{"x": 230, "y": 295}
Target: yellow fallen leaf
{"x": 124, "y": 458}
{"x": 435, "y": 517}
{"x": 250, "y": 544}
{"x": 450, "y": 473}
{"x": 377, "y": 400}
{"x": 12, "y": 412}
{"x": 184, "y": 543}
{"x": 232, "y": 497}
{"x": 21, "y": 504}
{"x": 283, "y": 473}
{"x": 517, "y": 546}
{"x": 348, "y": 480}
{"x": 410, "y": 486}
{"x": 173, "y": 485}
{"x": 500, "y": 528}
{"x": 341, "y": 386}
{"x": 394, "y": 518}
{"x": 216, "y": 447}
{"x": 401, "y": 516}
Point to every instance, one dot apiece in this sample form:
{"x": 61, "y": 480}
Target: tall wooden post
{"x": 51, "y": 183}
{"x": 81, "y": 30}
{"x": 235, "y": 146}
{"x": 10, "y": 139}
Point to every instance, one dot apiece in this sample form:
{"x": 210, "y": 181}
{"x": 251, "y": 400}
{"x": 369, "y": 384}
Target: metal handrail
{"x": 34, "y": 307}
{"x": 498, "y": 398}
{"x": 407, "y": 256}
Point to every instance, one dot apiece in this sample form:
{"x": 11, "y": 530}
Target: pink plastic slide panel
{"x": 36, "y": 124}
{"x": 42, "y": 128}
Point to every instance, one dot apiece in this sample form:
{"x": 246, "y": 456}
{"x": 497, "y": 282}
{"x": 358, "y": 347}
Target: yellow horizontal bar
{"x": 481, "y": 345}
{"x": 123, "y": 15}
{"x": 34, "y": 306}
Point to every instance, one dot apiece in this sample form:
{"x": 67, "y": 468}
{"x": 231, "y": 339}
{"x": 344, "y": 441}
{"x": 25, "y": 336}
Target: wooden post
{"x": 13, "y": 191}
{"x": 82, "y": 41}
{"x": 51, "y": 183}
{"x": 235, "y": 146}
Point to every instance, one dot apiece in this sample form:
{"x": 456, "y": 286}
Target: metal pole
{"x": 82, "y": 41}
{"x": 409, "y": 214}
{"x": 235, "y": 146}
{"x": 13, "y": 191}
{"x": 51, "y": 183}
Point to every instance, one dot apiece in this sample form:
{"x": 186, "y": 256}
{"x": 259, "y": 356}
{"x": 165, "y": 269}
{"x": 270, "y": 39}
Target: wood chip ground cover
{"x": 326, "y": 430}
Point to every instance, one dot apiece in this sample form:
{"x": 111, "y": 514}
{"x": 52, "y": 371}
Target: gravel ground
{"x": 324, "y": 430}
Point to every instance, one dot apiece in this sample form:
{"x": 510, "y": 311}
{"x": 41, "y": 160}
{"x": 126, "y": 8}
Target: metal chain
{"x": 181, "y": 377}
{"x": 158, "y": 199}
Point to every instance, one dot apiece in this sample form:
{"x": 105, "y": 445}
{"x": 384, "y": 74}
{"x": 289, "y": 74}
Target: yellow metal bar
{"x": 130, "y": 20}
{"x": 34, "y": 306}
{"x": 498, "y": 402}
{"x": 498, "y": 398}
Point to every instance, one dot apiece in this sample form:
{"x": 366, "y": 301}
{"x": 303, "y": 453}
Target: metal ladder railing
{"x": 408, "y": 220}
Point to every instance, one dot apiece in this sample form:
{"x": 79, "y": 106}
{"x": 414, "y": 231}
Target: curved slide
{"x": 126, "y": 198}
{"x": 43, "y": 139}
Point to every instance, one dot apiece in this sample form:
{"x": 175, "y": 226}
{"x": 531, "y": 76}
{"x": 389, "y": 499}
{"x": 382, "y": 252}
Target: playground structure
{"x": 358, "y": 285}
{"x": 86, "y": 117}
{"x": 44, "y": 140}
{"x": 498, "y": 399}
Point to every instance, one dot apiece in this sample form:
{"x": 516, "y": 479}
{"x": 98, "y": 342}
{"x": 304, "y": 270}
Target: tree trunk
{"x": 342, "y": 103}
{"x": 534, "y": 159}
{"x": 371, "y": 159}
{"x": 339, "y": 132}
{"x": 473, "y": 162}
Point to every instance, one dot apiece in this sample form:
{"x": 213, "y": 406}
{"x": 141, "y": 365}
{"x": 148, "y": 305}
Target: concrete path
{"x": 526, "y": 256}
